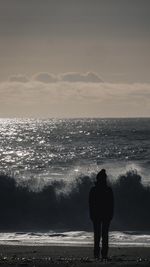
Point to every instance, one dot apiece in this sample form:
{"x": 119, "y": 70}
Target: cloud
{"x": 45, "y": 77}
{"x": 74, "y": 99}
{"x": 21, "y": 78}
{"x": 72, "y": 77}
{"x": 79, "y": 77}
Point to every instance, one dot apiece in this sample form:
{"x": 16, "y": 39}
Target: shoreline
{"x": 73, "y": 245}
{"x": 73, "y": 239}
{"x": 12, "y": 255}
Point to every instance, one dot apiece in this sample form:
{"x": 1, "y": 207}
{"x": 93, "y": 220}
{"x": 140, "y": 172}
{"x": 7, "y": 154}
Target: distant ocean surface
{"x": 48, "y": 166}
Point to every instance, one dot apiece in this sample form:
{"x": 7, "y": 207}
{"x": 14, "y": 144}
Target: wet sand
{"x": 71, "y": 256}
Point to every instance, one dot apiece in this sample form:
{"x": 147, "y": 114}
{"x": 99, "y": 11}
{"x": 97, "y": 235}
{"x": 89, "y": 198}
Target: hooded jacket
{"x": 101, "y": 202}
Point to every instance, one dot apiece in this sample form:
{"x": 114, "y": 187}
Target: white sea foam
{"x": 73, "y": 238}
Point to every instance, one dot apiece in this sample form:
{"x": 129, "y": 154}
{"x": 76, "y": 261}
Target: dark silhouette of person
{"x": 101, "y": 206}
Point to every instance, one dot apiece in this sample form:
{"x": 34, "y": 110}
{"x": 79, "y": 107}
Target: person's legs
{"x": 97, "y": 236}
{"x": 105, "y": 228}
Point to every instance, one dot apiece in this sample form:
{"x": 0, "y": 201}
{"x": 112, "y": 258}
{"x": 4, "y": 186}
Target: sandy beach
{"x": 71, "y": 256}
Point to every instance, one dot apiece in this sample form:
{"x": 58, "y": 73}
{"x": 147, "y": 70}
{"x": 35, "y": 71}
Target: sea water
{"x": 48, "y": 166}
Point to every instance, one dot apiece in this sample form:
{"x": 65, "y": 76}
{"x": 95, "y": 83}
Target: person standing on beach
{"x": 101, "y": 206}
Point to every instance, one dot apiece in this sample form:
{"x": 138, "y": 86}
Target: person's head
{"x": 101, "y": 177}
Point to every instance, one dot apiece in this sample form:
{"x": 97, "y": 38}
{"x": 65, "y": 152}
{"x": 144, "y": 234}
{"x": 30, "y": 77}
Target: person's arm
{"x": 111, "y": 203}
{"x": 91, "y": 204}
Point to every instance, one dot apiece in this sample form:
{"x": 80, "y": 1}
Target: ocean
{"x": 47, "y": 167}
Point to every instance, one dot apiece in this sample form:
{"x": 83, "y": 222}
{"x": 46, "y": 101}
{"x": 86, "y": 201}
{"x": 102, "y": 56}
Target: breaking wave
{"x": 62, "y": 205}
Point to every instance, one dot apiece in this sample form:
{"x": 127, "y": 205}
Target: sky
{"x": 74, "y": 58}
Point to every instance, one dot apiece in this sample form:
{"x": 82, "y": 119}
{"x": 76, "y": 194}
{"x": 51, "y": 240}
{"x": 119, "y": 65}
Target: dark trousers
{"x": 101, "y": 228}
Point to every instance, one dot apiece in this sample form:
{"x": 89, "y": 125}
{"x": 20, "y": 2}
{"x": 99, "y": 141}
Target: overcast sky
{"x": 80, "y": 57}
